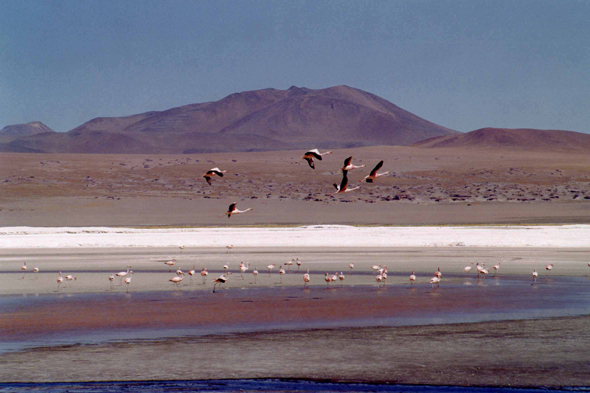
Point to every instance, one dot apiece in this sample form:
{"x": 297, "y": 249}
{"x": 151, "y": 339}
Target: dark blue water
{"x": 258, "y": 385}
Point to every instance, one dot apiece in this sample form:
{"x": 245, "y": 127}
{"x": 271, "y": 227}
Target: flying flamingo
{"x": 23, "y": 268}
{"x": 373, "y": 175}
{"x": 348, "y": 166}
{"x": 234, "y": 210}
{"x": 306, "y": 278}
{"x": 123, "y": 274}
{"x": 128, "y": 280}
{"x": 204, "y": 274}
{"x": 412, "y": 277}
{"x": 212, "y": 172}
{"x": 219, "y": 280}
{"x": 60, "y": 281}
{"x": 343, "y": 187}
{"x": 270, "y": 267}
{"x": 311, "y": 154}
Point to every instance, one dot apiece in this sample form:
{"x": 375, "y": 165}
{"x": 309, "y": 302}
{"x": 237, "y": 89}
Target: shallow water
{"x": 266, "y": 385}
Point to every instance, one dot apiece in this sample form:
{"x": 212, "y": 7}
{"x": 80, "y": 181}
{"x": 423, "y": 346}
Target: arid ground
{"x": 425, "y": 187}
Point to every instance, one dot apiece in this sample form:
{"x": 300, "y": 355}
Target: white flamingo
{"x": 204, "y": 274}
{"x": 348, "y": 166}
{"x": 341, "y": 278}
{"x": 467, "y": 268}
{"x": 496, "y": 268}
{"x": 60, "y": 281}
{"x": 219, "y": 280}
{"x": 234, "y": 210}
{"x": 23, "y": 268}
{"x": 36, "y": 270}
{"x": 229, "y": 247}
{"x": 311, "y": 154}
{"x": 351, "y": 266}
{"x": 289, "y": 263}
{"x": 379, "y": 279}
{"x": 435, "y": 281}
{"x": 255, "y": 273}
{"x": 170, "y": 263}
{"x": 270, "y": 267}
{"x": 281, "y": 272}
{"x": 128, "y": 280}
{"x": 123, "y": 274}
{"x": 376, "y": 267}
{"x": 212, "y": 172}
{"x": 535, "y": 275}
{"x": 244, "y": 268}
{"x": 412, "y": 277}
{"x": 176, "y": 280}
{"x": 306, "y": 278}
{"x": 438, "y": 274}
{"x": 334, "y": 277}
{"x": 111, "y": 279}
{"x": 191, "y": 273}
{"x": 549, "y": 268}
{"x": 373, "y": 175}
{"x": 328, "y": 279}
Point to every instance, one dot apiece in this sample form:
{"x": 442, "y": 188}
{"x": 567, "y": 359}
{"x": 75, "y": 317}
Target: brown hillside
{"x": 10, "y": 133}
{"x": 517, "y": 139}
{"x": 268, "y": 119}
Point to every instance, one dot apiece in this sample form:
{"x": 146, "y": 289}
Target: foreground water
{"x": 246, "y": 385}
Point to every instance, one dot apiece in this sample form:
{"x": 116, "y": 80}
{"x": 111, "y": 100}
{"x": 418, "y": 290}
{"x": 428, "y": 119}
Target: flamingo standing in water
{"x": 234, "y": 210}
{"x": 438, "y": 274}
{"x": 549, "y": 268}
{"x": 348, "y": 166}
{"x": 60, "y": 281}
{"x": 298, "y": 263}
{"x": 219, "y": 280}
{"x": 496, "y": 268}
{"x": 289, "y": 263}
{"x": 435, "y": 281}
{"x": 36, "y": 270}
{"x": 112, "y": 279}
{"x": 128, "y": 280}
{"x": 229, "y": 247}
{"x": 373, "y": 175}
{"x": 212, "y": 172}
{"x": 255, "y": 273}
{"x": 170, "y": 263}
{"x": 311, "y": 154}
{"x": 467, "y": 268}
{"x": 306, "y": 278}
{"x": 191, "y": 273}
{"x": 412, "y": 277}
{"x": 204, "y": 274}
{"x": 341, "y": 278}
{"x": 244, "y": 268}
{"x": 23, "y": 268}
{"x": 535, "y": 274}
{"x": 343, "y": 187}
{"x": 270, "y": 267}
{"x": 176, "y": 280}
{"x": 281, "y": 272}
{"x": 123, "y": 274}
{"x": 328, "y": 280}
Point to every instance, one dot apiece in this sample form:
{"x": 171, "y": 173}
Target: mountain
{"x": 515, "y": 139}
{"x": 268, "y": 119}
{"x": 10, "y": 133}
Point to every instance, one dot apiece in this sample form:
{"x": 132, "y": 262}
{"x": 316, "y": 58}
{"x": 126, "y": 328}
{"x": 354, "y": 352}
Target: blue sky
{"x": 461, "y": 64}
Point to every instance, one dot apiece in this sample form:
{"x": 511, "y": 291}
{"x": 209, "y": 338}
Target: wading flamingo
{"x": 219, "y": 280}
{"x": 306, "y": 278}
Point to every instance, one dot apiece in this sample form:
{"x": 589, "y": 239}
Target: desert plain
{"x": 506, "y": 330}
